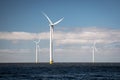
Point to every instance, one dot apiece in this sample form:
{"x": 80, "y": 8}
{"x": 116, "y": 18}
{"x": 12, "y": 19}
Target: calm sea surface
{"x": 60, "y": 71}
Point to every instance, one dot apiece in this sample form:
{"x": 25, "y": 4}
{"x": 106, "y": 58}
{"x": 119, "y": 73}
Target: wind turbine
{"x": 93, "y": 53}
{"x": 51, "y": 24}
{"x": 36, "y": 49}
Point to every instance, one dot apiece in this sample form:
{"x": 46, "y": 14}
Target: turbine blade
{"x": 58, "y": 21}
{"x": 38, "y": 40}
{"x": 96, "y": 49}
{"x": 35, "y": 41}
{"x": 95, "y": 46}
{"x": 39, "y": 48}
{"x": 48, "y": 18}
{"x": 94, "y": 43}
{"x": 92, "y": 47}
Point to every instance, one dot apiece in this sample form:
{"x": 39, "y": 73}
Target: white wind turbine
{"x": 51, "y": 24}
{"x": 93, "y": 53}
{"x": 36, "y": 49}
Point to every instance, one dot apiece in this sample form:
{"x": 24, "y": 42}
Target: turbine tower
{"x": 36, "y": 49}
{"x": 94, "y": 49}
{"x": 51, "y": 24}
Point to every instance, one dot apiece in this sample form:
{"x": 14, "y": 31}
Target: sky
{"x": 85, "y": 21}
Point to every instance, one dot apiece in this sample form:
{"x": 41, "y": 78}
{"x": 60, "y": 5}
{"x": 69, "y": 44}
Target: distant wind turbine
{"x": 36, "y": 49}
{"x": 93, "y": 53}
{"x": 51, "y": 24}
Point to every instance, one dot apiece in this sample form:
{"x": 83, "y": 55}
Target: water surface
{"x": 60, "y": 71}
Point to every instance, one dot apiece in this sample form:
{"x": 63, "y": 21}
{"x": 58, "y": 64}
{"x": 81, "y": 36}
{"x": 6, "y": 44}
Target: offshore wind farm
{"x": 68, "y": 40}
{"x": 88, "y": 22}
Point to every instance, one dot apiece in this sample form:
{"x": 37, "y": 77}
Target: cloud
{"x": 88, "y": 35}
{"x": 15, "y": 51}
{"x": 69, "y": 45}
{"x": 23, "y": 35}
{"x": 75, "y": 36}
{"x": 17, "y": 35}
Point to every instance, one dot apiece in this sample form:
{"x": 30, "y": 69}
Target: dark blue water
{"x": 60, "y": 71}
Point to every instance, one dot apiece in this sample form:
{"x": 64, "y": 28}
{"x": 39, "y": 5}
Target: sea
{"x": 60, "y": 71}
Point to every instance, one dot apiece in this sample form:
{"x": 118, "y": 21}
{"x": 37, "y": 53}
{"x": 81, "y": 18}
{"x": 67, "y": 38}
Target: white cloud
{"x": 23, "y": 35}
{"x": 17, "y": 35}
{"x": 73, "y": 45}
{"x": 88, "y": 35}
{"x": 75, "y": 36}
{"x": 15, "y": 51}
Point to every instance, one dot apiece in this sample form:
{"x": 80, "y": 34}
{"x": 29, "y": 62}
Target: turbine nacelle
{"x": 51, "y": 25}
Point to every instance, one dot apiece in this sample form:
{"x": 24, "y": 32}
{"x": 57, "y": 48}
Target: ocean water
{"x": 60, "y": 71}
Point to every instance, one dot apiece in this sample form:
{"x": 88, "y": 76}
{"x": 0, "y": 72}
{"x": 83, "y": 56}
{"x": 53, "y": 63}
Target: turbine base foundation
{"x": 51, "y": 62}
